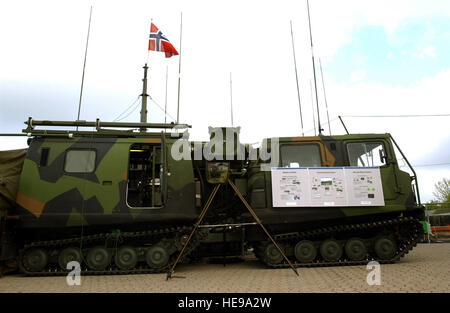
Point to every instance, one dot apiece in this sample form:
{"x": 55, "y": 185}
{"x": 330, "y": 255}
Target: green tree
{"x": 442, "y": 191}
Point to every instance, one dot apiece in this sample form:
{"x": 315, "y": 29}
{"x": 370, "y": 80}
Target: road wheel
{"x": 331, "y": 250}
{"x": 385, "y": 248}
{"x": 35, "y": 260}
{"x": 68, "y": 255}
{"x": 98, "y": 258}
{"x": 271, "y": 255}
{"x": 126, "y": 258}
{"x": 157, "y": 257}
{"x": 305, "y": 251}
{"x": 355, "y": 249}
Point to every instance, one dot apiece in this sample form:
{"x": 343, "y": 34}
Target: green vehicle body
{"x": 102, "y": 182}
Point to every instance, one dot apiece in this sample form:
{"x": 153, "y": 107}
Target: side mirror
{"x": 383, "y": 157}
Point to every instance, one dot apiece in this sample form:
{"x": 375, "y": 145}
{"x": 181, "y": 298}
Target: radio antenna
{"x": 84, "y": 65}
{"x": 314, "y": 69}
{"x": 231, "y": 100}
{"x": 325, "y": 95}
{"x": 312, "y": 104}
{"x": 296, "y": 79}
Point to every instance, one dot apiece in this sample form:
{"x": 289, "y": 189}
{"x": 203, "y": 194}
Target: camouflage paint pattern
{"x": 396, "y": 183}
{"x": 50, "y": 197}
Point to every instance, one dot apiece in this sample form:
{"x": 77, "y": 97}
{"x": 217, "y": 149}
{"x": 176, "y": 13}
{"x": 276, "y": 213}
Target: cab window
{"x": 366, "y": 154}
{"x": 300, "y": 155}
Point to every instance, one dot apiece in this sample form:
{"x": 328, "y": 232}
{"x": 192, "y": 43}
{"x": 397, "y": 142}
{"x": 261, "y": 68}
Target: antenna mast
{"x": 179, "y": 70}
{"x": 231, "y": 99}
{"x": 296, "y": 79}
{"x": 144, "y": 96}
{"x": 312, "y": 104}
{"x": 325, "y": 95}
{"x": 84, "y": 65}
{"x": 314, "y": 69}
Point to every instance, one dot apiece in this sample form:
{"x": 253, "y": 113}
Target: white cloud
{"x": 429, "y": 51}
{"x": 423, "y": 140}
{"x": 357, "y": 76}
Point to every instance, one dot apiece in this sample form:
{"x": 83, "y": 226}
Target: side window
{"x": 80, "y": 161}
{"x": 366, "y": 154}
{"x": 306, "y": 155}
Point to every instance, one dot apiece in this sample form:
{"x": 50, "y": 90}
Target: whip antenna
{"x": 231, "y": 99}
{"x": 312, "y": 104}
{"x": 84, "y": 65}
{"x": 314, "y": 70}
{"x": 296, "y": 79}
{"x": 325, "y": 95}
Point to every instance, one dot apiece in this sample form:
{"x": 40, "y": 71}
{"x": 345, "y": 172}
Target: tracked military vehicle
{"x": 122, "y": 201}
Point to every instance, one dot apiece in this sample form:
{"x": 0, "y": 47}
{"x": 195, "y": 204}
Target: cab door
{"x": 375, "y": 152}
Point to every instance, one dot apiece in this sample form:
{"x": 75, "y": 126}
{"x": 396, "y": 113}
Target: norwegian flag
{"x": 160, "y": 43}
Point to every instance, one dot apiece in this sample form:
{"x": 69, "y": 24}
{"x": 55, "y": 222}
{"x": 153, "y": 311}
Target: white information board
{"x": 365, "y": 188}
{"x": 292, "y": 187}
{"x": 327, "y": 186}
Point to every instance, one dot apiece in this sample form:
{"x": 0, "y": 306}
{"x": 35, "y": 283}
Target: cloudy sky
{"x": 378, "y": 58}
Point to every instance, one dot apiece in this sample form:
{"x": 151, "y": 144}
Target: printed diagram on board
{"x": 365, "y": 186}
{"x": 327, "y": 187}
{"x": 291, "y": 188}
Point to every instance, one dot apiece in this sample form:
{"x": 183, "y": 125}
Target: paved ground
{"x": 425, "y": 269}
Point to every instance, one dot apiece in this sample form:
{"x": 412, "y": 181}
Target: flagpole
{"x": 179, "y": 70}
{"x": 144, "y": 95}
{"x": 165, "y": 102}
{"x": 148, "y": 50}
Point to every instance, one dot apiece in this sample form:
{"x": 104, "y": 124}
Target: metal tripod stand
{"x": 202, "y": 215}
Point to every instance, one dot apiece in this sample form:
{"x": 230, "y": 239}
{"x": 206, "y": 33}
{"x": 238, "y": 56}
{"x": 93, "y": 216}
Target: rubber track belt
{"x": 92, "y": 239}
{"x": 403, "y": 247}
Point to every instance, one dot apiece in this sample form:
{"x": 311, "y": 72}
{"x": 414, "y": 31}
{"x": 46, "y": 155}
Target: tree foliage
{"x": 442, "y": 191}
